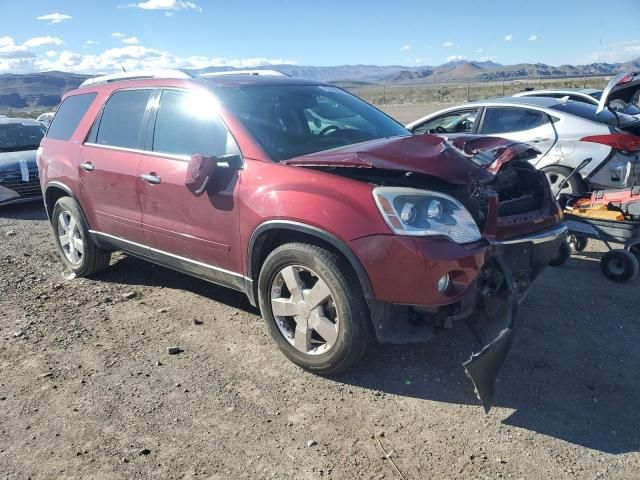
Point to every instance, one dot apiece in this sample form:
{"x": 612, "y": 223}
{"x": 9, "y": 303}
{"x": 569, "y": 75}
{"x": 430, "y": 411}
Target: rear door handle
{"x": 540, "y": 140}
{"x": 87, "y": 167}
{"x": 151, "y": 178}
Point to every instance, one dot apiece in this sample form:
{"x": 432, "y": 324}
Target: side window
{"x": 511, "y": 119}
{"x": 460, "y": 121}
{"x": 121, "y": 122}
{"x": 185, "y": 126}
{"x": 69, "y": 115}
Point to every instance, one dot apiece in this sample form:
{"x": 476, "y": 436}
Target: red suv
{"x": 334, "y": 219}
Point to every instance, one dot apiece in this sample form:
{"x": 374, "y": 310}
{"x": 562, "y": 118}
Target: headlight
{"x": 409, "y": 211}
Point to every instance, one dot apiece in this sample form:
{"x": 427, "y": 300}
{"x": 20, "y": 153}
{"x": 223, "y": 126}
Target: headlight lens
{"x": 409, "y": 211}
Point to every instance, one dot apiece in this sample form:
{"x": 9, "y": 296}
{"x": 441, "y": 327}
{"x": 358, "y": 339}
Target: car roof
{"x": 24, "y": 121}
{"x": 247, "y": 80}
{"x": 544, "y": 102}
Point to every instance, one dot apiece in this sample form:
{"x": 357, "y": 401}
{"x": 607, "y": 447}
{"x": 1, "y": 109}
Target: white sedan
{"x": 565, "y": 132}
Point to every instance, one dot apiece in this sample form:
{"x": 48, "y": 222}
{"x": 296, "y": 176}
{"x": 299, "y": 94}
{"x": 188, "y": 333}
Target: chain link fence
{"x": 465, "y": 91}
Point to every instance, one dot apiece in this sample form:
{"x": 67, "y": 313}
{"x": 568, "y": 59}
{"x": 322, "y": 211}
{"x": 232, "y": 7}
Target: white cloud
{"x": 166, "y": 5}
{"x": 91, "y": 42}
{"x": 616, "y": 53}
{"x": 405, "y": 48}
{"x": 448, "y": 44}
{"x": 169, "y": 14}
{"x": 9, "y": 50}
{"x": 533, "y": 38}
{"x": 137, "y": 57}
{"x": 508, "y": 38}
{"x": 51, "y": 53}
{"x": 456, "y": 58}
{"x": 54, "y": 17}
{"x": 130, "y": 40}
{"x": 118, "y": 35}
{"x": 480, "y": 50}
{"x": 41, "y": 41}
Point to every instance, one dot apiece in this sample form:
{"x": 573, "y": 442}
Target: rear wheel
{"x": 71, "y": 235}
{"x": 619, "y": 265}
{"x": 314, "y": 308}
{"x": 577, "y": 242}
{"x": 557, "y": 175}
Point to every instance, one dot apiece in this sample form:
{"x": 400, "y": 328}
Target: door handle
{"x": 540, "y": 140}
{"x": 87, "y": 167}
{"x": 151, "y": 178}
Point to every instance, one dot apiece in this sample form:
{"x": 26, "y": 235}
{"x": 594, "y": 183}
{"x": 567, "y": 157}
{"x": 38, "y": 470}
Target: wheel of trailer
{"x": 619, "y": 265}
{"x": 556, "y": 175}
{"x": 577, "y": 242}
{"x": 564, "y": 252}
{"x": 314, "y": 308}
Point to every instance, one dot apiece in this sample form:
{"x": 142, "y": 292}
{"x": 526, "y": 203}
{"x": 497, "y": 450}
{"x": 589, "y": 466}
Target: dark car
{"x": 341, "y": 233}
{"x": 19, "y": 141}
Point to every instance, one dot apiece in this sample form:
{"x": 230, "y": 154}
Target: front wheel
{"x": 314, "y": 308}
{"x": 71, "y": 234}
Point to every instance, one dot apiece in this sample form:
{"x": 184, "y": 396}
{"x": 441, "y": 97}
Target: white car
{"x": 46, "y": 118}
{"x": 564, "y": 131}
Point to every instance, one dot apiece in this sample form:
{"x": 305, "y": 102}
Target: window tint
{"x": 121, "y": 121}
{"x": 69, "y": 115}
{"x": 586, "y": 111}
{"x": 184, "y": 126}
{"x": 460, "y": 121}
{"x": 503, "y": 120}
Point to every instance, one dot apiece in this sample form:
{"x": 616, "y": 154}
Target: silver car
{"x": 565, "y": 132}
{"x": 591, "y": 96}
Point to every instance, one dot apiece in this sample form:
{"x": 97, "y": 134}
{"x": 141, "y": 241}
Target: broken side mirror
{"x": 202, "y": 169}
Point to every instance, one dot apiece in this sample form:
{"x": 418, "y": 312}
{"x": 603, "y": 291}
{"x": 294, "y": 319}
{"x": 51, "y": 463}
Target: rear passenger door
{"x": 195, "y": 233}
{"x": 520, "y": 124}
{"x": 108, "y": 166}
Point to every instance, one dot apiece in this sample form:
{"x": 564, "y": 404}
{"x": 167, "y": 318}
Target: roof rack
{"x": 265, "y": 73}
{"x": 178, "y": 74}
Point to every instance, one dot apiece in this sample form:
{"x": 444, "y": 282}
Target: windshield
{"x": 20, "y": 136}
{"x": 290, "y": 121}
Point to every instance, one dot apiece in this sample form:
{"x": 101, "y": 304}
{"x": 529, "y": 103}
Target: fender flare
{"x": 331, "y": 239}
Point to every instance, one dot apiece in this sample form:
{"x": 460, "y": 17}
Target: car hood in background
{"x": 10, "y": 162}
{"x": 458, "y": 159}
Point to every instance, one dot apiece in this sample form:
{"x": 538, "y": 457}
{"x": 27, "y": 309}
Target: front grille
{"x": 13, "y": 181}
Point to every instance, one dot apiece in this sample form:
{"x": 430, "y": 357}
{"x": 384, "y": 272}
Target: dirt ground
{"x": 88, "y": 389}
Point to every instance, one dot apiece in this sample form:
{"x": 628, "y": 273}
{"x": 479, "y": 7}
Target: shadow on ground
{"x": 24, "y": 211}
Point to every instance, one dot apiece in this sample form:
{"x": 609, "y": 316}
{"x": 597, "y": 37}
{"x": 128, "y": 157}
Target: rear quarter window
{"x": 68, "y": 116}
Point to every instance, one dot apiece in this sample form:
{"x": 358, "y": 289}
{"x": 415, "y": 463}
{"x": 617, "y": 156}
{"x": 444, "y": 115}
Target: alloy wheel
{"x": 304, "y": 309}
{"x": 555, "y": 180}
{"x": 70, "y": 238}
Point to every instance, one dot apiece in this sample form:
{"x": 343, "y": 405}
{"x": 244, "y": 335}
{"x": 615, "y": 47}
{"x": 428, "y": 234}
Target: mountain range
{"x": 41, "y": 91}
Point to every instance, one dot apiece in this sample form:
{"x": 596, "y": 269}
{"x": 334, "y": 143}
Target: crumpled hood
{"x": 458, "y": 159}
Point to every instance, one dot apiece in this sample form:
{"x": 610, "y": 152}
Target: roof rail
{"x": 265, "y": 73}
{"x": 179, "y": 74}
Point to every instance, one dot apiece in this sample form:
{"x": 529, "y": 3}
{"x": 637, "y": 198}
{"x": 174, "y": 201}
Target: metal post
{"x": 585, "y": 82}
{"x": 384, "y": 95}
{"x": 467, "y": 91}
{"x": 438, "y": 92}
{"x": 503, "y": 87}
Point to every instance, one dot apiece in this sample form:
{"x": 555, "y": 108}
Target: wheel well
{"x": 52, "y": 195}
{"x": 267, "y": 241}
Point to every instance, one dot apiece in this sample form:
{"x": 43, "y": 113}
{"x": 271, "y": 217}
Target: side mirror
{"x": 202, "y": 169}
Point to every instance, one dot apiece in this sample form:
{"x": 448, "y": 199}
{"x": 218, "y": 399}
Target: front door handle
{"x": 87, "y": 167}
{"x": 151, "y": 178}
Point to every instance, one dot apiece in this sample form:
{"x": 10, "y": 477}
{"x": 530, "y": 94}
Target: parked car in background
{"x": 591, "y": 96}
{"x": 46, "y": 118}
{"x": 340, "y": 232}
{"x": 19, "y": 141}
{"x": 565, "y": 133}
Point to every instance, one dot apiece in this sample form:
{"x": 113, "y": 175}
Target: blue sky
{"x": 99, "y": 36}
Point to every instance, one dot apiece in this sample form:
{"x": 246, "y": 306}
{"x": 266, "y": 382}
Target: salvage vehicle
{"x": 46, "y": 118}
{"x": 565, "y": 132}
{"x": 342, "y": 235}
{"x": 19, "y": 141}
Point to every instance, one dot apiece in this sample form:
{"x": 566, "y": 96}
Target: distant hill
{"x": 42, "y": 91}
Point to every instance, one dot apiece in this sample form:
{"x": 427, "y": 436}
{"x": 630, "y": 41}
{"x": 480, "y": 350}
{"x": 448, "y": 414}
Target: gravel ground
{"x": 88, "y": 389}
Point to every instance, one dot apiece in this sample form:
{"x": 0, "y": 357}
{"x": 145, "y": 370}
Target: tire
{"x": 619, "y": 265}
{"x": 577, "y": 242}
{"x": 556, "y": 174}
{"x": 84, "y": 261}
{"x": 564, "y": 252}
{"x": 636, "y": 251}
{"x": 348, "y": 327}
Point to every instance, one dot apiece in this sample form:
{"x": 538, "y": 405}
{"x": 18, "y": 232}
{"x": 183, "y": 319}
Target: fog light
{"x": 443, "y": 283}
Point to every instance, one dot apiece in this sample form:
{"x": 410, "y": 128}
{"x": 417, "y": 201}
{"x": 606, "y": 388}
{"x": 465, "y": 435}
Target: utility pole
{"x": 438, "y": 92}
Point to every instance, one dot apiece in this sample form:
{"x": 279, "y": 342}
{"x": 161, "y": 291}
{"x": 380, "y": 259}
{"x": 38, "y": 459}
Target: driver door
{"x": 456, "y": 121}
